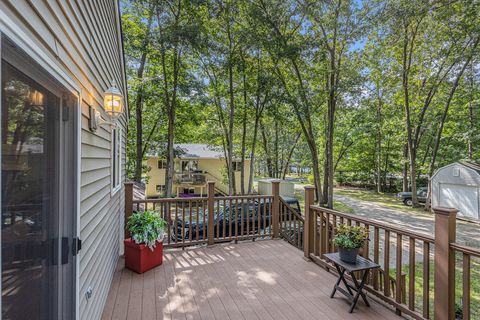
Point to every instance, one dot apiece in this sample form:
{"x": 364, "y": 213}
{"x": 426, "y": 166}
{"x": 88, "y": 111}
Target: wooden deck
{"x": 250, "y": 280}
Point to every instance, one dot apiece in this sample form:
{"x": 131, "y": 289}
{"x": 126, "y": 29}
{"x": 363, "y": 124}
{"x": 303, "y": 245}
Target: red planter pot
{"x": 139, "y": 257}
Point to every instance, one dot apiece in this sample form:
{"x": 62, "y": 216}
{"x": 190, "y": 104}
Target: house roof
{"x": 196, "y": 151}
{"x": 471, "y": 165}
{"x": 193, "y": 150}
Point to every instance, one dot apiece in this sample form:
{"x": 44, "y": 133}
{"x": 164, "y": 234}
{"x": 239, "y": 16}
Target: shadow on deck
{"x": 250, "y": 280}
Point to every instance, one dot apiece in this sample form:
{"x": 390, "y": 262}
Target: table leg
{"x": 341, "y": 273}
{"x": 359, "y": 290}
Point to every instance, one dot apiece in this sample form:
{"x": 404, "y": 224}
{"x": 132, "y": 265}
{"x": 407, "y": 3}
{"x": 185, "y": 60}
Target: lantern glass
{"x": 113, "y": 102}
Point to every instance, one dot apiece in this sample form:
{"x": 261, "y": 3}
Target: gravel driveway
{"x": 468, "y": 233}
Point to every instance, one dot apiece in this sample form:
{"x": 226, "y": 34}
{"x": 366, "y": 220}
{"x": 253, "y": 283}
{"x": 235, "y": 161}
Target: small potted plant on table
{"x": 144, "y": 250}
{"x": 349, "y": 239}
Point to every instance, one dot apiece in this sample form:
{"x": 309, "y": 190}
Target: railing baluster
{"x": 316, "y": 229}
{"x": 242, "y": 215}
{"x": 169, "y": 222}
{"x": 183, "y": 220}
{"x": 411, "y": 274}
{"x": 334, "y": 231}
{"x": 386, "y": 262}
{"x": 197, "y": 222}
{"x": 204, "y": 218}
{"x": 190, "y": 220}
{"x": 366, "y": 246}
{"x": 236, "y": 219}
{"x": 426, "y": 280}
{"x": 217, "y": 203}
{"x": 376, "y": 251}
{"x": 466, "y": 287}
{"x": 247, "y": 217}
{"x": 328, "y": 235}
{"x": 398, "y": 275}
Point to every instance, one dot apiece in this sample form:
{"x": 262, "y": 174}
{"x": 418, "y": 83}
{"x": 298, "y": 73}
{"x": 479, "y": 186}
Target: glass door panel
{"x": 30, "y": 118}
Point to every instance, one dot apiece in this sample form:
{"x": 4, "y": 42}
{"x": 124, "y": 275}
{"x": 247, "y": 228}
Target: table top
{"x": 361, "y": 264}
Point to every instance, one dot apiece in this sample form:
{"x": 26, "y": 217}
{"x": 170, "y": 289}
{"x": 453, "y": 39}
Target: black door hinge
{"x": 77, "y": 246}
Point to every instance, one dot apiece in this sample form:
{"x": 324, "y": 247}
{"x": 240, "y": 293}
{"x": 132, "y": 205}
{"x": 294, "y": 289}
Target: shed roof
{"x": 468, "y": 165}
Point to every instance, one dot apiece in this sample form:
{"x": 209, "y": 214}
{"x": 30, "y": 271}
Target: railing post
{"x": 275, "y": 208}
{"x": 309, "y": 224}
{"x": 128, "y": 206}
{"x": 444, "y": 277}
{"x": 211, "y": 213}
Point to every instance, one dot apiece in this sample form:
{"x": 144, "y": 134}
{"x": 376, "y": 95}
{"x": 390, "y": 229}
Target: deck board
{"x": 249, "y": 280}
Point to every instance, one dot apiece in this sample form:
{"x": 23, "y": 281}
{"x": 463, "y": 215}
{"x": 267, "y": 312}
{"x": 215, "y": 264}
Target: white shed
{"x": 286, "y": 187}
{"x": 457, "y": 185}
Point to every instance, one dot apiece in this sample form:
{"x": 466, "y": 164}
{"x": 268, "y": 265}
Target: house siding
{"x": 83, "y": 40}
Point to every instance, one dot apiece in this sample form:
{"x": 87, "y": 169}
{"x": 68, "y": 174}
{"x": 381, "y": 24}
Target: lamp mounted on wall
{"x": 113, "y": 106}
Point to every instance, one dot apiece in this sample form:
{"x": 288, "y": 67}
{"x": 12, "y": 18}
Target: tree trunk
{"x": 289, "y": 156}
{"x": 244, "y": 135}
{"x": 379, "y": 147}
{"x": 405, "y": 184}
{"x": 139, "y": 104}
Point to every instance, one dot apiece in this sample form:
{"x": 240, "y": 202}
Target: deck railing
{"x": 291, "y": 225}
{"x": 417, "y": 275}
{"x": 400, "y": 253}
{"x": 214, "y": 219}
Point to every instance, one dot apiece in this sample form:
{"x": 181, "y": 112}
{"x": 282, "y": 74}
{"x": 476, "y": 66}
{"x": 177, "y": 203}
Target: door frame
{"x": 11, "y": 29}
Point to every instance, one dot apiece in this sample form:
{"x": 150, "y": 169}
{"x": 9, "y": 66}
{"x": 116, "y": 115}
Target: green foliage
{"x": 255, "y": 74}
{"x": 350, "y": 237}
{"x": 146, "y": 227}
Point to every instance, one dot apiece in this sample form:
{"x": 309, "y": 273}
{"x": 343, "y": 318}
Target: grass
{"x": 385, "y": 199}
{"x": 474, "y": 285}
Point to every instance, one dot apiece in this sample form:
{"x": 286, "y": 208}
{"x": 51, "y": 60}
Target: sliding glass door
{"x": 37, "y": 191}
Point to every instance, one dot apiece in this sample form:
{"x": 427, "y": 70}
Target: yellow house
{"x": 194, "y": 166}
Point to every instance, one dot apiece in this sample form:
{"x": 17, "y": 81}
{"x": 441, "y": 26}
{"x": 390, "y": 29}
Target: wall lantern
{"x": 113, "y": 106}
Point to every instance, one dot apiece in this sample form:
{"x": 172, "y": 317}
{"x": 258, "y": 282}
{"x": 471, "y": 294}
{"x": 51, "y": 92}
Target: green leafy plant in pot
{"x": 144, "y": 250}
{"x": 349, "y": 240}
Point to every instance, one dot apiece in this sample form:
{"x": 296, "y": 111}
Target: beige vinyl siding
{"x": 83, "y": 39}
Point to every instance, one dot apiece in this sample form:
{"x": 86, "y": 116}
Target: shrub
{"x": 350, "y": 237}
{"x": 311, "y": 179}
{"x": 146, "y": 227}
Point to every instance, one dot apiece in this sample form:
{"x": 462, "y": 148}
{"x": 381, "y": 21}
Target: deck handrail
{"x": 382, "y": 225}
{"x": 212, "y": 219}
{"x": 437, "y": 251}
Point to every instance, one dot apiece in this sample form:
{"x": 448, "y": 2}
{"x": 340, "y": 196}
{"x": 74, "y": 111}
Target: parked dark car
{"x": 244, "y": 218}
{"x": 228, "y": 220}
{"x": 406, "y": 197}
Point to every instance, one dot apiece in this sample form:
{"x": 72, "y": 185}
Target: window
{"x": 160, "y": 188}
{"x": 162, "y": 164}
{"x": 237, "y": 165}
{"x": 116, "y": 158}
{"x": 189, "y": 165}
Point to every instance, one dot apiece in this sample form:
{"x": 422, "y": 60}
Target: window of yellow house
{"x": 189, "y": 165}
{"x": 237, "y": 165}
{"x": 162, "y": 164}
{"x": 160, "y": 188}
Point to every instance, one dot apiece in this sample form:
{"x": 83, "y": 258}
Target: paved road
{"x": 468, "y": 233}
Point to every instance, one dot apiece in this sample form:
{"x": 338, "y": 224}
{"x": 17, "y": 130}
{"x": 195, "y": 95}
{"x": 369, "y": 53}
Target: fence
{"x": 411, "y": 250}
{"x": 216, "y": 219}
